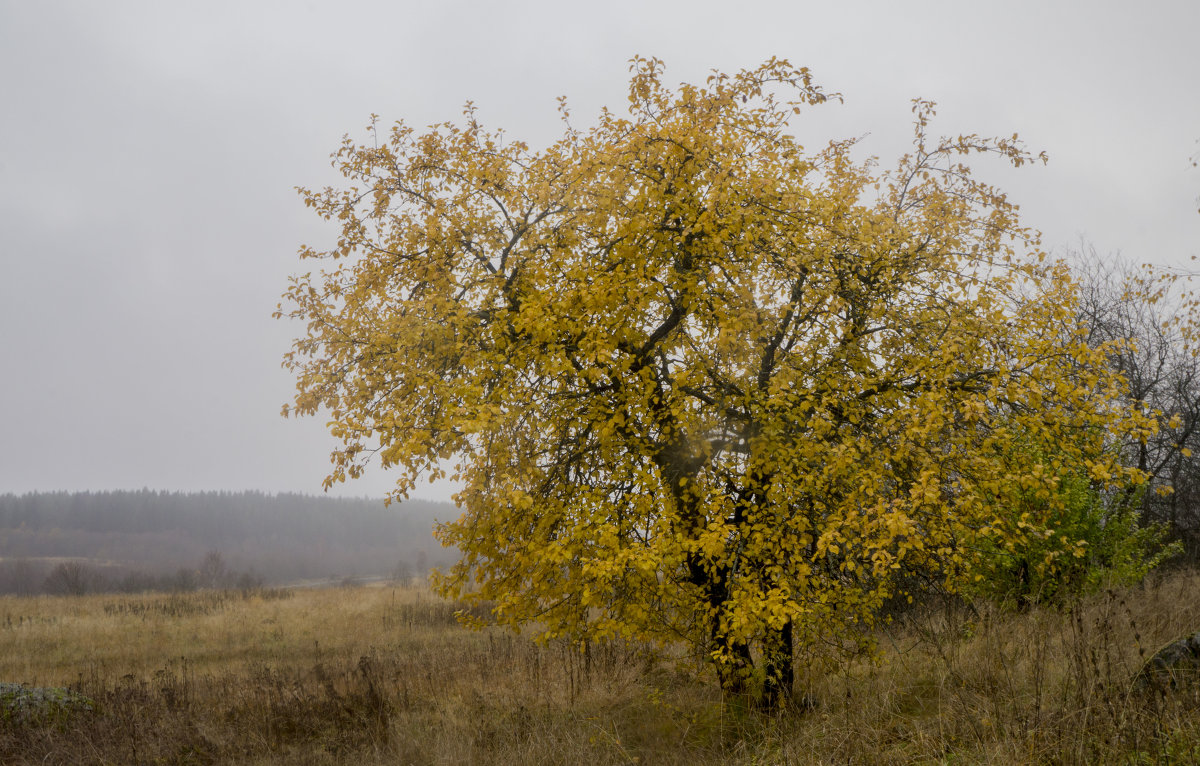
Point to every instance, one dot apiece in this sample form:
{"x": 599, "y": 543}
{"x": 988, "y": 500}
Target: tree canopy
{"x": 699, "y": 382}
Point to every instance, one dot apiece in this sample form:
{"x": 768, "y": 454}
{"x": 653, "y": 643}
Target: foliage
{"x": 1057, "y": 544}
{"x": 698, "y": 382}
{"x": 20, "y": 704}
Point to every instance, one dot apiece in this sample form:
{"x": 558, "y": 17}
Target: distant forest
{"x": 143, "y": 540}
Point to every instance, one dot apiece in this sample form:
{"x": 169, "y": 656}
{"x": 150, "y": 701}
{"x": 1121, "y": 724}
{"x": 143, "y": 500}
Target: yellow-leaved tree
{"x": 698, "y": 383}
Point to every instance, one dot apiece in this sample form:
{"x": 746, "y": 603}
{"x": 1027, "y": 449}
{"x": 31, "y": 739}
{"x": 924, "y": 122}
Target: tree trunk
{"x": 778, "y": 668}
{"x": 735, "y": 675}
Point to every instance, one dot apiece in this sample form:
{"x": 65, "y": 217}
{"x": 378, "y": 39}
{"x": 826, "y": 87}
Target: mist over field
{"x": 81, "y": 542}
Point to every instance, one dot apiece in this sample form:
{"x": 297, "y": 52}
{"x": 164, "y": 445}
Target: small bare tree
{"x": 69, "y": 578}
{"x": 212, "y": 572}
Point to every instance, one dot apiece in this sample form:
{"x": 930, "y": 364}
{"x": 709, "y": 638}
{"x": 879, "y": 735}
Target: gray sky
{"x": 149, "y": 150}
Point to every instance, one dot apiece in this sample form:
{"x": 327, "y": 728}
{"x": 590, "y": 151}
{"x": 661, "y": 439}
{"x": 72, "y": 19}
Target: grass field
{"x": 375, "y": 675}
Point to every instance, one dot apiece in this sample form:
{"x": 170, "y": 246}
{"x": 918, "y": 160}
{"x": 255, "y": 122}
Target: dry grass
{"x": 373, "y": 675}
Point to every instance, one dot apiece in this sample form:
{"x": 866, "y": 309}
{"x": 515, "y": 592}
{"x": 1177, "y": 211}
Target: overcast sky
{"x": 149, "y": 150}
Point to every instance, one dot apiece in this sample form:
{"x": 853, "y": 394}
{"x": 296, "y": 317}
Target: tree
{"x": 69, "y": 578}
{"x": 698, "y": 383}
{"x": 1147, "y": 319}
{"x": 212, "y": 572}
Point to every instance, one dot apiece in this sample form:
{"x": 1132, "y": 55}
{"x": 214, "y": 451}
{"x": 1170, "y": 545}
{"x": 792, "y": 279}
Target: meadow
{"x": 381, "y": 675}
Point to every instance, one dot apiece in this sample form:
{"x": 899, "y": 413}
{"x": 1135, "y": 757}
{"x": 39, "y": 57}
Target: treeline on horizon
{"x": 71, "y": 542}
